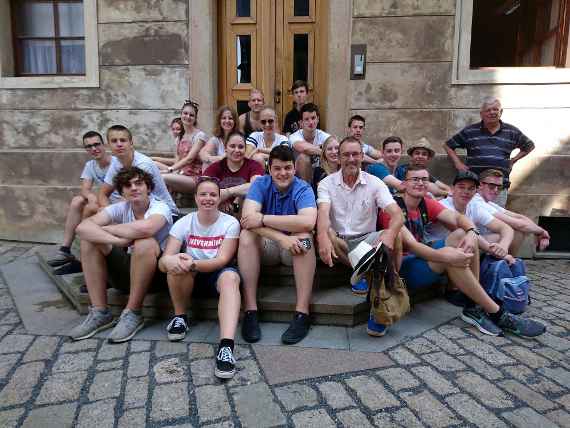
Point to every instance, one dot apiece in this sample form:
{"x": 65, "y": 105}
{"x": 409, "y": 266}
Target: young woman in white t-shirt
{"x": 226, "y": 124}
{"x": 260, "y": 143}
{"x": 210, "y": 238}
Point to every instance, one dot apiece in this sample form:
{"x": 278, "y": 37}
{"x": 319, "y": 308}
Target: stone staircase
{"x": 332, "y": 304}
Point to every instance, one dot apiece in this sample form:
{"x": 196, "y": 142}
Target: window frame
{"x": 8, "y": 78}
{"x": 462, "y": 74}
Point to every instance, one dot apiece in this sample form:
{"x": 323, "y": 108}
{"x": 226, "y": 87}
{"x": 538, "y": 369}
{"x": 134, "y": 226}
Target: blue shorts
{"x": 416, "y": 271}
{"x": 205, "y": 283}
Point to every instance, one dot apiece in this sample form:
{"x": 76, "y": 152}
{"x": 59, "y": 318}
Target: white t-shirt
{"x": 320, "y": 137}
{"x": 122, "y": 212}
{"x": 203, "y": 242}
{"x": 219, "y": 144}
{"x": 92, "y": 171}
{"x": 476, "y": 213}
{"x": 146, "y": 164}
{"x": 256, "y": 140}
{"x": 490, "y": 207}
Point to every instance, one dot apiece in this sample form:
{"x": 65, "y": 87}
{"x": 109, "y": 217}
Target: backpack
{"x": 387, "y": 293}
{"x": 506, "y": 283}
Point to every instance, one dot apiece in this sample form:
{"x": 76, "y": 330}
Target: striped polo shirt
{"x": 486, "y": 150}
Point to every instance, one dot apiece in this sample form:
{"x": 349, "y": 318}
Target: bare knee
{"x": 146, "y": 246}
{"x": 228, "y": 283}
{"x": 455, "y": 238}
{"x": 77, "y": 203}
{"x": 248, "y": 240}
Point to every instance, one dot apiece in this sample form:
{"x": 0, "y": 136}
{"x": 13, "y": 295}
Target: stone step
{"x": 332, "y": 304}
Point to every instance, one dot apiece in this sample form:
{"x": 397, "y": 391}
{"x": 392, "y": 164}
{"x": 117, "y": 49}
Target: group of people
{"x": 266, "y": 198}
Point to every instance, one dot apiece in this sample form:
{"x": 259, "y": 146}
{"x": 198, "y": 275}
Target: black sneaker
{"x": 521, "y": 326}
{"x": 73, "y": 266}
{"x": 177, "y": 329}
{"x": 225, "y": 363}
{"x": 298, "y": 329}
{"x": 250, "y": 327}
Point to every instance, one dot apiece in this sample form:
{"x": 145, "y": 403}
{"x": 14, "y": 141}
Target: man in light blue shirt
{"x": 279, "y": 214}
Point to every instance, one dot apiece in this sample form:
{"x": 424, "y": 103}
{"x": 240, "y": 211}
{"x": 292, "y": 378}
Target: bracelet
{"x": 474, "y": 230}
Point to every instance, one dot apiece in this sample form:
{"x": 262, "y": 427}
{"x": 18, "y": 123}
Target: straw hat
{"x": 422, "y": 143}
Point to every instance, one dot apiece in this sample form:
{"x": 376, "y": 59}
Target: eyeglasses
{"x": 349, "y": 155}
{"x": 91, "y": 146}
{"x": 267, "y": 121}
{"x": 418, "y": 179}
{"x": 493, "y": 186}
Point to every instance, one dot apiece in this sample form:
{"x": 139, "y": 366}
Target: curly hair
{"x": 125, "y": 175}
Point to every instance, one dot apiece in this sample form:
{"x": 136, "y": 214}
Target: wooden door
{"x": 268, "y": 44}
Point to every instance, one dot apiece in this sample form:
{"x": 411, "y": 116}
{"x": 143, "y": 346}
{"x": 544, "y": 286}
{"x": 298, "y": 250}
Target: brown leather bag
{"x": 387, "y": 294}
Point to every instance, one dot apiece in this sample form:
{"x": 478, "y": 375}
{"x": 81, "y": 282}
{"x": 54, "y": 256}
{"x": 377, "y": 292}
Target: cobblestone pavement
{"x": 450, "y": 376}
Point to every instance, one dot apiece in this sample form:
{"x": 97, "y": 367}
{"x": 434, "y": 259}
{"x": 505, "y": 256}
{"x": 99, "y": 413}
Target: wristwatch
{"x": 170, "y": 169}
{"x": 474, "y": 230}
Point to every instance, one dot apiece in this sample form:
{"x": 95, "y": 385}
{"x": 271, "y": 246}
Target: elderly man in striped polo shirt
{"x": 489, "y": 144}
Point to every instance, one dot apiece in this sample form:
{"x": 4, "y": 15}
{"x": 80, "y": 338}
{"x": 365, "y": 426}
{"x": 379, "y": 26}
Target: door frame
{"x": 204, "y": 66}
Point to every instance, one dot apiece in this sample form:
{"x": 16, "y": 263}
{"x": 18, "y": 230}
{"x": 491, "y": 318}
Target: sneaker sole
{"x": 474, "y": 323}
{"x": 224, "y": 375}
{"x": 375, "y": 333}
{"x": 127, "y": 338}
{"x": 176, "y": 337}
{"x": 94, "y": 332}
{"x": 58, "y": 263}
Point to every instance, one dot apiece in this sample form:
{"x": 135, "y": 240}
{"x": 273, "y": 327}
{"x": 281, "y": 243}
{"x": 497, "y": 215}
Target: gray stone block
{"x": 73, "y": 362}
{"x": 402, "y": 356}
{"x": 170, "y": 348}
{"x": 139, "y": 364}
{"x": 403, "y": 7}
{"x": 434, "y": 380}
{"x": 42, "y": 349}
{"x": 106, "y": 385}
{"x": 313, "y": 418}
{"x": 481, "y": 367}
{"x": 15, "y": 343}
{"x": 201, "y": 350}
{"x": 296, "y": 395}
{"x": 100, "y": 414}
{"x": 255, "y": 406}
{"x": 9, "y": 418}
{"x": 80, "y": 345}
{"x": 371, "y": 393}
{"x": 429, "y": 409}
{"x": 353, "y": 418}
{"x": 398, "y": 378}
{"x": 484, "y": 390}
{"x": 60, "y": 416}
{"x": 133, "y": 10}
{"x": 20, "y": 387}
{"x": 163, "y": 405}
{"x": 7, "y": 362}
{"x": 486, "y": 352}
{"x": 170, "y": 370}
{"x": 61, "y": 387}
{"x": 473, "y": 411}
{"x": 247, "y": 372}
{"x": 110, "y": 351}
{"x": 335, "y": 395}
{"x": 530, "y": 397}
{"x": 133, "y": 418}
{"x": 212, "y": 402}
{"x": 443, "y": 361}
{"x": 527, "y": 417}
{"x": 136, "y": 392}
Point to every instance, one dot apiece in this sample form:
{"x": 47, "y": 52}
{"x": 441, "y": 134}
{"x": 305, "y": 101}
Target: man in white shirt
{"x": 464, "y": 188}
{"x": 124, "y": 156}
{"x": 307, "y": 142}
{"x": 348, "y": 203}
{"x": 122, "y": 243}
{"x": 491, "y": 185}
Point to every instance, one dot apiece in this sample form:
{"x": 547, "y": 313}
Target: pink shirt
{"x": 354, "y": 211}
{"x": 183, "y": 147}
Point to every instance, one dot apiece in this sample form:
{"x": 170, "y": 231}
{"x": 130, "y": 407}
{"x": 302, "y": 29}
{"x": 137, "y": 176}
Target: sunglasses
{"x": 91, "y": 146}
{"x": 204, "y": 178}
{"x": 493, "y": 186}
{"x": 267, "y": 121}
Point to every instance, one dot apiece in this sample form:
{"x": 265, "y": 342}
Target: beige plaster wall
{"x": 144, "y": 50}
{"x": 408, "y": 92}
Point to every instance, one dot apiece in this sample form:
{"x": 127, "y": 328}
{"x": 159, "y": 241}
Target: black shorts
{"x": 119, "y": 271}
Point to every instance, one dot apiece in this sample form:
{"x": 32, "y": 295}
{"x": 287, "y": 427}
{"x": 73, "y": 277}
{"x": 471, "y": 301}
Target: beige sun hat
{"x": 422, "y": 143}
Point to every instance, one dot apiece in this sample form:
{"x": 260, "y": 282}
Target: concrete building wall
{"x": 408, "y": 92}
{"x": 144, "y": 78}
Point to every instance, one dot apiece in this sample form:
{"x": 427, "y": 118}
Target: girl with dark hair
{"x": 177, "y": 129}
{"x": 226, "y": 124}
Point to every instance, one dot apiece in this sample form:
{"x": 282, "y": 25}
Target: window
{"x": 49, "y": 37}
{"x": 511, "y": 41}
{"x": 48, "y": 44}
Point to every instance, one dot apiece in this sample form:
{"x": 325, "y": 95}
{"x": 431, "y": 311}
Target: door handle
{"x": 277, "y": 97}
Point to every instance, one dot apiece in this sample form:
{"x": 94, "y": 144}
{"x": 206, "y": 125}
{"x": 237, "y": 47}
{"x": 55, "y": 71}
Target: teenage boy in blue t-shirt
{"x": 278, "y": 216}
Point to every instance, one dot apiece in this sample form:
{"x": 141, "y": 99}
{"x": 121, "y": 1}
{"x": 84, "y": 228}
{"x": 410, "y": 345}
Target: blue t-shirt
{"x": 381, "y": 171}
{"x": 273, "y": 202}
